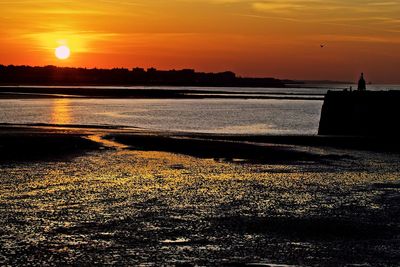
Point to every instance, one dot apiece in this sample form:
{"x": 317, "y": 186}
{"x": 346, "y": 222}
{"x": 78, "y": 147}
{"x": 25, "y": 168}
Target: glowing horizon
{"x": 250, "y": 37}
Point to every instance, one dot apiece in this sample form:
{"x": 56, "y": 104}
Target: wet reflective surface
{"x": 61, "y": 111}
{"x": 202, "y": 115}
{"x": 153, "y": 208}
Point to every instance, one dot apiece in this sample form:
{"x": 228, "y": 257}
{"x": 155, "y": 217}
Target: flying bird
{"x": 322, "y": 45}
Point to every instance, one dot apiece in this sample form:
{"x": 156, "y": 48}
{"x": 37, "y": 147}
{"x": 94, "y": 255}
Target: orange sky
{"x": 250, "y": 37}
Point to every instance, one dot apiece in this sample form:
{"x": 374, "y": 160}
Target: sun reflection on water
{"x": 61, "y": 111}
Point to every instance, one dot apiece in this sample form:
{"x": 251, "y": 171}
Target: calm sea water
{"x": 209, "y": 115}
{"x": 238, "y": 116}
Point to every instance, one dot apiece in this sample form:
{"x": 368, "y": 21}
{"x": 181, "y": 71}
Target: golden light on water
{"x": 61, "y": 111}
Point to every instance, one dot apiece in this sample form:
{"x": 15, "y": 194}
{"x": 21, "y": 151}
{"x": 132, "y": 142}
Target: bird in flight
{"x": 322, "y": 45}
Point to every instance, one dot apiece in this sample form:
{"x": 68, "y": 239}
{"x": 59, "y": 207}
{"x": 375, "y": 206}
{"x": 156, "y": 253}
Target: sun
{"x": 63, "y": 52}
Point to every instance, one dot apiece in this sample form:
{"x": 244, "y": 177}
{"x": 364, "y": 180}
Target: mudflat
{"x": 84, "y": 196}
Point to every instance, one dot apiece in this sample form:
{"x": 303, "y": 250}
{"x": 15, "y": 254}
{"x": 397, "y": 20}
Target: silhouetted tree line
{"x": 51, "y": 75}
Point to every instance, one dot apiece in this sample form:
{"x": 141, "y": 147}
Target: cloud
{"x": 354, "y": 7}
{"x": 78, "y": 41}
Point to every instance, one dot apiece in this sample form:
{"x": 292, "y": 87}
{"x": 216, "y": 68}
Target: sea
{"x": 223, "y": 116}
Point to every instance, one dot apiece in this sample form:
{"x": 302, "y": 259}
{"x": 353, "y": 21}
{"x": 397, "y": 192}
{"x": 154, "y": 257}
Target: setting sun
{"x": 63, "y": 52}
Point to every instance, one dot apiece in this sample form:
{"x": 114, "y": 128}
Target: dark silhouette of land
{"x": 18, "y": 92}
{"x": 20, "y": 145}
{"x": 51, "y": 75}
{"x": 55, "y": 82}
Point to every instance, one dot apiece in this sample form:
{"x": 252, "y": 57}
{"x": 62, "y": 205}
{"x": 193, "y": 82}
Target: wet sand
{"x": 130, "y": 197}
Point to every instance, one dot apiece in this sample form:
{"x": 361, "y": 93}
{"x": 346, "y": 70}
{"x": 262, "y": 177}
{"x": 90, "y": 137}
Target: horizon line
{"x": 316, "y": 81}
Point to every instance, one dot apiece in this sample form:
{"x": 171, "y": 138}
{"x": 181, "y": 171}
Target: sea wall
{"x": 361, "y": 113}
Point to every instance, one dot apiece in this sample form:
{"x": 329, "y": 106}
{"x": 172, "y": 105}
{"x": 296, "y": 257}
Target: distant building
{"x": 361, "y": 83}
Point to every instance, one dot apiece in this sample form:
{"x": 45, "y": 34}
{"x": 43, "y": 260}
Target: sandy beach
{"x": 83, "y": 196}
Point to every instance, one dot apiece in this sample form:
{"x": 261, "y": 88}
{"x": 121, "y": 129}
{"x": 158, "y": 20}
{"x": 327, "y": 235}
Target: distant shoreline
{"x": 104, "y": 92}
{"x": 51, "y": 75}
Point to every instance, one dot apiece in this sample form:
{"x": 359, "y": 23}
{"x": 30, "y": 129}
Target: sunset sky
{"x": 250, "y": 37}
